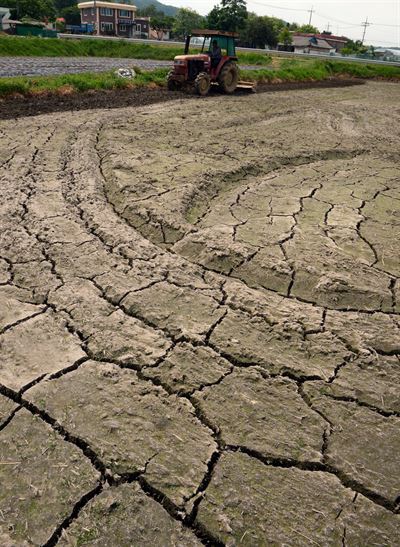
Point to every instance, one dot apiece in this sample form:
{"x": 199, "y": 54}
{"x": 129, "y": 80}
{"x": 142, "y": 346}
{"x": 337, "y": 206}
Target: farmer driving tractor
{"x": 215, "y": 64}
{"x": 215, "y": 54}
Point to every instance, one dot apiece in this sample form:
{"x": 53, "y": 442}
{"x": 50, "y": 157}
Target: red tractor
{"x": 215, "y": 64}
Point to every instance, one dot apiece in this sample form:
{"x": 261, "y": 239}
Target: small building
{"x": 387, "y": 54}
{"x": 5, "y": 16}
{"x": 142, "y": 27}
{"x": 336, "y": 42}
{"x": 108, "y": 18}
{"x": 29, "y": 28}
{"x": 312, "y": 44}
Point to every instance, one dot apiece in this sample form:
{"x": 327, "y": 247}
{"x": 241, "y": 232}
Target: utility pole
{"x": 365, "y": 25}
{"x": 310, "y": 11}
{"x": 96, "y": 30}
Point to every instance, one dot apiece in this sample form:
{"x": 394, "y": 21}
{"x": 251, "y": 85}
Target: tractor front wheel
{"x": 202, "y": 84}
{"x": 172, "y": 83}
{"x": 228, "y": 78}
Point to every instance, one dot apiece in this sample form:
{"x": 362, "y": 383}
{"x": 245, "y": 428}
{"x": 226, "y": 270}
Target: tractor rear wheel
{"x": 202, "y": 84}
{"x": 228, "y": 78}
{"x": 172, "y": 84}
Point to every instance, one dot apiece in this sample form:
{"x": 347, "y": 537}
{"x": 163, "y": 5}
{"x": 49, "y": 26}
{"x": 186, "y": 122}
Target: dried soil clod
{"x": 42, "y": 478}
{"x": 132, "y": 426}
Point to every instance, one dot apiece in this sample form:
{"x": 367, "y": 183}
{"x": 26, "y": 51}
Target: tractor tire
{"x": 228, "y": 78}
{"x": 172, "y": 84}
{"x": 202, "y": 84}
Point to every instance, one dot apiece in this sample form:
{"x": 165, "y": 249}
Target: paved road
{"x": 46, "y": 66}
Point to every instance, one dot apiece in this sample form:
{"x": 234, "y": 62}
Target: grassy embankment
{"x": 39, "y": 47}
{"x": 297, "y": 71}
{"x": 289, "y": 72}
{"x": 70, "y": 83}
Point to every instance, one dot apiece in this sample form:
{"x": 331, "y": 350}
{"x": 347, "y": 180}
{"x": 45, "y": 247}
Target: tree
{"x": 352, "y": 48}
{"x": 371, "y": 51}
{"x": 231, "y": 15}
{"x": 260, "y": 31}
{"x": 186, "y": 20}
{"x": 72, "y": 15}
{"x": 308, "y": 29}
{"x": 62, "y": 4}
{"x": 158, "y": 20}
{"x": 213, "y": 18}
{"x": 149, "y": 11}
{"x": 161, "y": 23}
{"x": 285, "y": 37}
{"x": 278, "y": 24}
{"x": 34, "y": 9}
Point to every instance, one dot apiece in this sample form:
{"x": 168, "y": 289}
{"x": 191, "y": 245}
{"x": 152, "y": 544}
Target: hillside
{"x": 168, "y": 10}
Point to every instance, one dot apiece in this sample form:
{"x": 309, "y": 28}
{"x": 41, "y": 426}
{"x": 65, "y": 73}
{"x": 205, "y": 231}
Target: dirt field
{"x": 200, "y": 323}
{"x": 12, "y": 107}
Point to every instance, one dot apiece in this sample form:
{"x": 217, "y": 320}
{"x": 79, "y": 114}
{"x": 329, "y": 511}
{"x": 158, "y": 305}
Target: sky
{"x": 344, "y": 17}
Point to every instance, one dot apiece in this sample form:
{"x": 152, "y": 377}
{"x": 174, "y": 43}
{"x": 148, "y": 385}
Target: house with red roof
{"x": 336, "y": 42}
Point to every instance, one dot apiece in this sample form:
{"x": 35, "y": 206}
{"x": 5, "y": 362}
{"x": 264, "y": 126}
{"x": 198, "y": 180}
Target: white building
{"x": 5, "y": 15}
{"x": 306, "y": 44}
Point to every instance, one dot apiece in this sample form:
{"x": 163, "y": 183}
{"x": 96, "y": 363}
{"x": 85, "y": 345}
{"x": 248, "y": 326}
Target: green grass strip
{"x": 295, "y": 72}
{"x": 360, "y": 70}
{"x": 69, "y": 83}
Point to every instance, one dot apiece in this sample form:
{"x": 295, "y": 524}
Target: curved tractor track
{"x": 200, "y": 323}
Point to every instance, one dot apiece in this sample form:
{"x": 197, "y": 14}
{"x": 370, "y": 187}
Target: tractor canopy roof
{"x": 225, "y": 40}
{"x": 207, "y": 33}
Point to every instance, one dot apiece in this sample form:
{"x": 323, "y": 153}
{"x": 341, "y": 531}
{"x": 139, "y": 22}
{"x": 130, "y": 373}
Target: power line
{"x": 344, "y": 27}
{"x": 383, "y": 25}
{"x": 312, "y": 10}
{"x": 328, "y": 17}
{"x": 277, "y": 7}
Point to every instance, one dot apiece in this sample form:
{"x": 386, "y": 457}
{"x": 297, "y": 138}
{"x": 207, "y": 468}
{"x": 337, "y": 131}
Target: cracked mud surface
{"x": 200, "y": 323}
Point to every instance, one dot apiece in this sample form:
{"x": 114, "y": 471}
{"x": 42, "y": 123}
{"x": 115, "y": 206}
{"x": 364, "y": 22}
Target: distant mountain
{"x": 168, "y": 10}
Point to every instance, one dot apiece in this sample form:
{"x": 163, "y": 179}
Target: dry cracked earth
{"x": 200, "y": 323}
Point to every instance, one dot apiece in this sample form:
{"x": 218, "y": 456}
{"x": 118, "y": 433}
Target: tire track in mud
{"x": 105, "y": 280}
